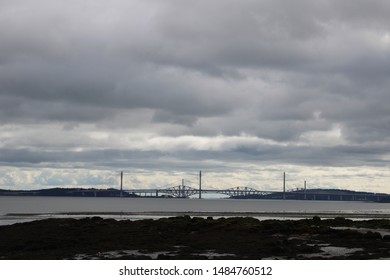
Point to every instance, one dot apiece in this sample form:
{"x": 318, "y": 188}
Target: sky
{"x": 242, "y": 90}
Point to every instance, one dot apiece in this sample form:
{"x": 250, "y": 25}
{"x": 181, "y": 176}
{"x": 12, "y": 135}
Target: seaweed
{"x": 183, "y": 237}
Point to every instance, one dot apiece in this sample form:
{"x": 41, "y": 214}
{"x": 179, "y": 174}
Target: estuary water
{"x": 22, "y": 209}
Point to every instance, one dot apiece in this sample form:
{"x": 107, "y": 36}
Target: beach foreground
{"x": 184, "y": 237}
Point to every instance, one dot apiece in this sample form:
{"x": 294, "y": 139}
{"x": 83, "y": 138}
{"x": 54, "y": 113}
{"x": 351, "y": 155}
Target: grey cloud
{"x": 165, "y": 116}
{"x": 367, "y": 14}
{"x": 271, "y": 69}
{"x": 106, "y": 158}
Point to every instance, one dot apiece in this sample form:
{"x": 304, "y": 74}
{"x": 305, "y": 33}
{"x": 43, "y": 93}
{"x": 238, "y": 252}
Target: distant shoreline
{"x": 299, "y": 194}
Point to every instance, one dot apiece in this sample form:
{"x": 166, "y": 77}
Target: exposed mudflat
{"x": 184, "y": 237}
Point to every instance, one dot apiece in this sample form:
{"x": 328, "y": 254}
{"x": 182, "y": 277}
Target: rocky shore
{"x": 184, "y": 237}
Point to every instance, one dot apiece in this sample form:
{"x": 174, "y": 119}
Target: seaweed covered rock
{"x": 184, "y": 237}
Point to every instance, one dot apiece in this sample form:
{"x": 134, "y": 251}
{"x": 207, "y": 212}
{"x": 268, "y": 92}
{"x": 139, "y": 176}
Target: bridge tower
{"x": 121, "y": 183}
{"x": 200, "y": 184}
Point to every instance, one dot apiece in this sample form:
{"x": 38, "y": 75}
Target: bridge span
{"x": 183, "y": 191}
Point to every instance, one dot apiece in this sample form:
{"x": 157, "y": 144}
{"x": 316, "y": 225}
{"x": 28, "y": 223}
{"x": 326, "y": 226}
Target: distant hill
{"x": 111, "y": 192}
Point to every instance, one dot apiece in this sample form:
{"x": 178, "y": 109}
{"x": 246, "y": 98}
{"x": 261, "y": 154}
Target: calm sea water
{"x": 21, "y": 209}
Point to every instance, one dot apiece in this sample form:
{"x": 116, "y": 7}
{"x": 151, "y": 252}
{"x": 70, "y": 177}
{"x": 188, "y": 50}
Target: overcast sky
{"x": 242, "y": 90}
